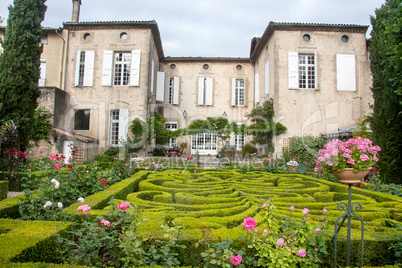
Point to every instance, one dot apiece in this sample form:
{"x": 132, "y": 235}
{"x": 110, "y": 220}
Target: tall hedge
{"x": 19, "y": 65}
{"x": 386, "y": 121}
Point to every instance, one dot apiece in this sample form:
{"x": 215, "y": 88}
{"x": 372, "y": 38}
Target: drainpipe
{"x": 62, "y": 58}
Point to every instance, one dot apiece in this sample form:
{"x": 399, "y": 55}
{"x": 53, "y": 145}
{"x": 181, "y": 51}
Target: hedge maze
{"x": 221, "y": 200}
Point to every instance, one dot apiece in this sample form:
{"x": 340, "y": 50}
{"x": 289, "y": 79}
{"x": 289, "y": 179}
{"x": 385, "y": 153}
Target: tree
{"x": 263, "y": 127}
{"x": 19, "y": 65}
{"x": 386, "y": 121}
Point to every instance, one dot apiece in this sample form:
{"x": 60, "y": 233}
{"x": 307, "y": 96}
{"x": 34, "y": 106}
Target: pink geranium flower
{"x": 249, "y": 224}
{"x": 52, "y": 157}
{"x": 236, "y": 260}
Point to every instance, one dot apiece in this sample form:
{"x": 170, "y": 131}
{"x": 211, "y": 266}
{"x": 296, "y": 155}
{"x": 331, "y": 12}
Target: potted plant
{"x": 352, "y": 158}
{"x": 292, "y": 165}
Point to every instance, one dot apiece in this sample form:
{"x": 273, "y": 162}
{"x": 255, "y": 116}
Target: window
{"x": 238, "y": 92}
{"x": 81, "y": 69}
{"x": 81, "y": 119}
{"x": 167, "y": 88}
{"x": 172, "y": 93}
{"x": 306, "y": 71}
{"x": 42, "y": 78}
{"x": 123, "y": 36}
{"x": 122, "y": 61}
{"x": 306, "y": 37}
{"x": 171, "y": 90}
{"x": 302, "y": 70}
{"x": 125, "y": 66}
{"x": 118, "y": 127}
{"x": 84, "y": 71}
{"x": 237, "y": 140}
{"x": 43, "y": 39}
{"x": 205, "y": 91}
{"x": 114, "y": 127}
{"x": 87, "y": 36}
{"x": 203, "y": 143}
{"x": 172, "y": 142}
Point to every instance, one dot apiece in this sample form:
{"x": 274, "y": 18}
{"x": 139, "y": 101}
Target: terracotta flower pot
{"x": 349, "y": 176}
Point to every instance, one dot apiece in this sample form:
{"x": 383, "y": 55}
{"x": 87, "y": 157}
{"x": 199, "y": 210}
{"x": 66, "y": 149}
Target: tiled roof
{"x": 293, "y": 26}
{"x": 205, "y": 59}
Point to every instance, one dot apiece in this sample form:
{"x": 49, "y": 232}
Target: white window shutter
{"x": 42, "y": 78}
{"x": 107, "y": 68}
{"x": 152, "y": 75}
{"x": 293, "y": 65}
{"x": 233, "y": 91}
{"x": 77, "y": 67}
{"x": 267, "y": 78}
{"x": 176, "y": 90}
{"x": 257, "y": 88}
{"x": 209, "y": 91}
{"x": 245, "y": 92}
{"x": 315, "y": 70}
{"x": 89, "y": 68}
{"x": 135, "y": 68}
{"x": 345, "y": 72}
{"x": 201, "y": 91}
{"x": 123, "y": 125}
{"x": 160, "y": 86}
{"x": 232, "y": 140}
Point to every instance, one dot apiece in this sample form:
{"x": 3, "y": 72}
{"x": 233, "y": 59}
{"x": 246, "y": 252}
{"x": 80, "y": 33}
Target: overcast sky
{"x": 211, "y": 28}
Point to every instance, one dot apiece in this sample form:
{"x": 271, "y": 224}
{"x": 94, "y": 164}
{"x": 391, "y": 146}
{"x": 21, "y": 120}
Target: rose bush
{"x": 286, "y": 242}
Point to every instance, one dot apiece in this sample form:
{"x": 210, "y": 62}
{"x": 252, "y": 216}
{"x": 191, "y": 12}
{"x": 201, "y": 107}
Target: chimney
{"x": 76, "y": 11}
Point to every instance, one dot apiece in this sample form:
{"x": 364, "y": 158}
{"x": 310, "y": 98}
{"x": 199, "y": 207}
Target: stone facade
{"x": 317, "y": 75}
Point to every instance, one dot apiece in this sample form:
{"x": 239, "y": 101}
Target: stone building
{"x": 98, "y": 76}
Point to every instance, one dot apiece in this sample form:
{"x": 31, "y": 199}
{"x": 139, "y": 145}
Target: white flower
{"x": 56, "y": 183}
{"x": 47, "y": 204}
{"x": 292, "y": 163}
{"x": 59, "y": 205}
{"x": 80, "y": 200}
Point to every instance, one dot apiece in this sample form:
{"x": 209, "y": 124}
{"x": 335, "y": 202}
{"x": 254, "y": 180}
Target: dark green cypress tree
{"x": 386, "y": 121}
{"x": 19, "y": 65}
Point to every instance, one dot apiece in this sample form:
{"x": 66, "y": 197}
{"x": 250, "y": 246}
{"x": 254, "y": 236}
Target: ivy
{"x": 42, "y": 126}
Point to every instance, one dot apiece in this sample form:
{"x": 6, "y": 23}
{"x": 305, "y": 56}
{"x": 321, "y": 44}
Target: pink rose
{"x": 80, "y": 199}
{"x": 41, "y": 152}
{"x": 301, "y": 253}
{"x": 318, "y": 230}
{"x": 84, "y": 209}
{"x": 123, "y": 205}
{"x": 249, "y": 224}
{"x": 59, "y": 205}
{"x": 236, "y": 260}
{"x": 52, "y": 157}
{"x": 292, "y": 208}
{"x": 57, "y": 166}
{"x": 47, "y": 204}
{"x": 105, "y": 222}
{"x": 280, "y": 242}
{"x": 305, "y": 211}
{"x": 324, "y": 211}
{"x": 265, "y": 231}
